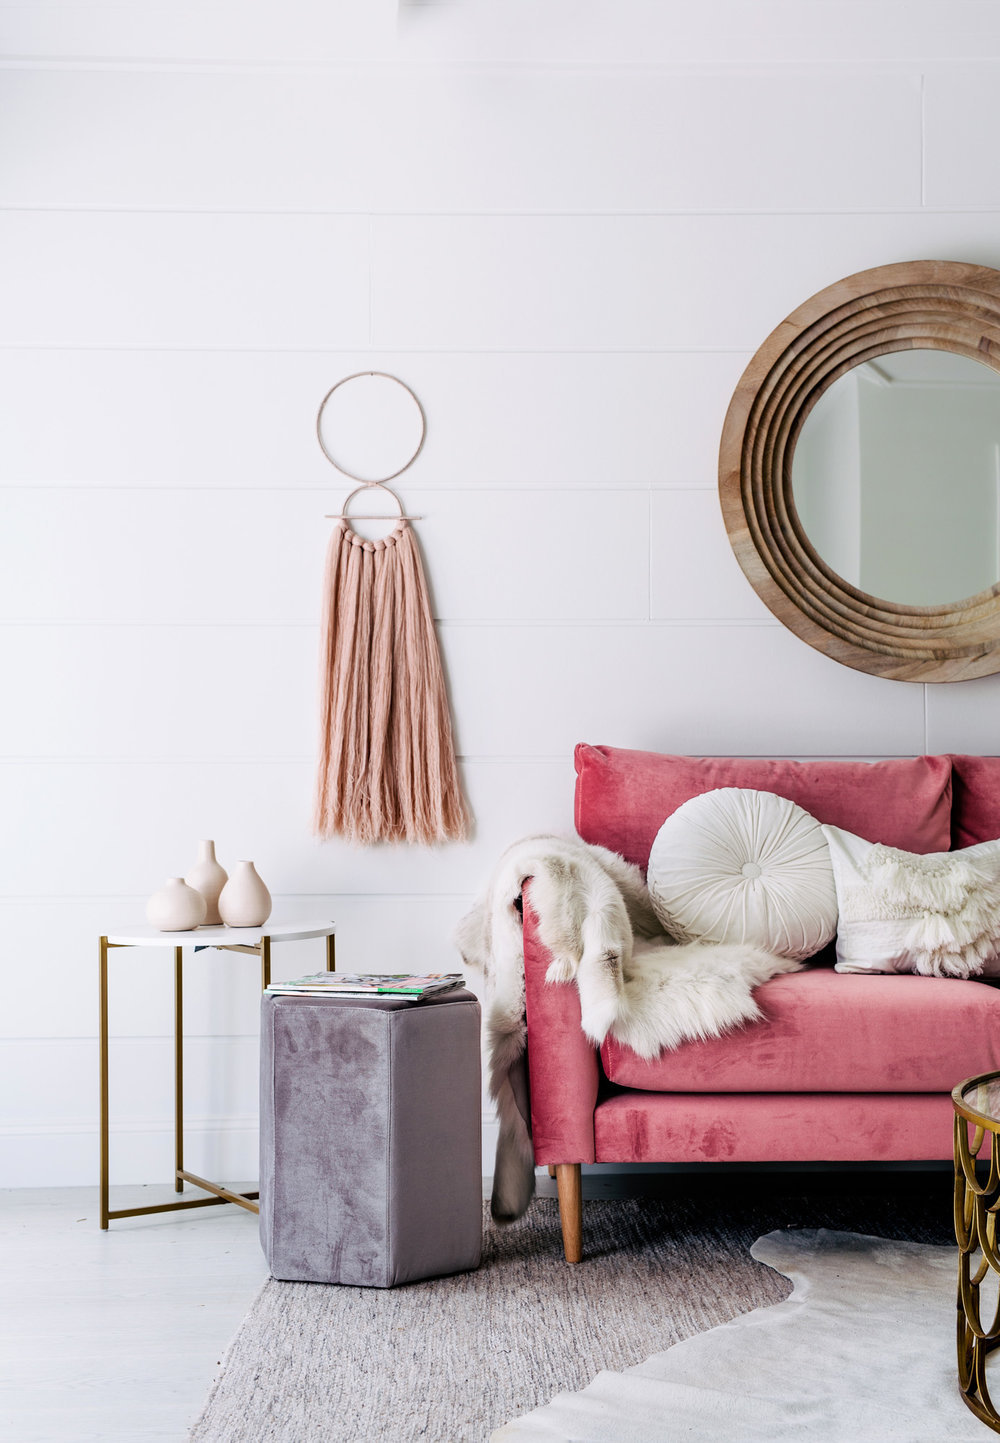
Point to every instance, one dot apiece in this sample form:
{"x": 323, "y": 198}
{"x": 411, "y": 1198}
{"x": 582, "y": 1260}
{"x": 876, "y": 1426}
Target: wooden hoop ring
{"x": 370, "y": 480}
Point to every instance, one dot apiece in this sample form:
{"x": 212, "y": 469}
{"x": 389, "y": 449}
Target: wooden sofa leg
{"x": 570, "y": 1209}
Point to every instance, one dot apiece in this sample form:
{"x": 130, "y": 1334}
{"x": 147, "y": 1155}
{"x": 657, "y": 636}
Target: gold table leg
{"x": 976, "y": 1206}
{"x": 331, "y": 953}
{"x": 102, "y": 1048}
{"x": 178, "y": 1069}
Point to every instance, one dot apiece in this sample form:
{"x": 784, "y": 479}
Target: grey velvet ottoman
{"x": 370, "y": 1149}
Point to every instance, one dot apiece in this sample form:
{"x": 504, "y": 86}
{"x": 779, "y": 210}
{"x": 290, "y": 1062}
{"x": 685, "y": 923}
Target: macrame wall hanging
{"x": 387, "y": 766}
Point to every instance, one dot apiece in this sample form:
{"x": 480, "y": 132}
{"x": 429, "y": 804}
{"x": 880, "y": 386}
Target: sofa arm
{"x": 563, "y": 1067}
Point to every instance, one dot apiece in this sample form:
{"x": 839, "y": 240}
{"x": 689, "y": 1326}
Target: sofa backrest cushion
{"x": 623, "y": 797}
{"x": 975, "y": 815}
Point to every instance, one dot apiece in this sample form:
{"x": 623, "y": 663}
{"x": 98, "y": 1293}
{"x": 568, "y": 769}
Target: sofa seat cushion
{"x": 831, "y": 1032}
{"x": 623, "y": 796}
{"x": 796, "y": 1127}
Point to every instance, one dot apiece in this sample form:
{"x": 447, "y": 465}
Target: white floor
{"x": 115, "y": 1337}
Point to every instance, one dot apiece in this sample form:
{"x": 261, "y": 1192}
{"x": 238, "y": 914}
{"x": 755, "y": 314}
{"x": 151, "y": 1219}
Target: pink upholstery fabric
{"x": 775, "y": 1127}
{"x": 976, "y": 800}
{"x": 828, "y": 1032}
{"x": 622, "y": 797}
{"x": 563, "y": 1070}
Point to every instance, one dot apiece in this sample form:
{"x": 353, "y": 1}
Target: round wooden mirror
{"x": 801, "y": 533}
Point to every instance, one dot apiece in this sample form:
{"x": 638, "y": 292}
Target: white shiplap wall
{"x": 567, "y": 226}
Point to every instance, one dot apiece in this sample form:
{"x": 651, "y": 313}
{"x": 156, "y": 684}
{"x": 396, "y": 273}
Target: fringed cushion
{"x": 742, "y": 866}
{"x": 937, "y": 915}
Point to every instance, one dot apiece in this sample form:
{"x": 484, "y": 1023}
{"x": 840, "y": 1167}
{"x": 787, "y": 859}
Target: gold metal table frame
{"x": 977, "y": 1202}
{"x": 256, "y": 942}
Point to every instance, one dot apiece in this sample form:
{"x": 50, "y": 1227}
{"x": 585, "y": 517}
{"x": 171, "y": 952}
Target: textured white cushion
{"x": 938, "y": 914}
{"x": 736, "y": 865}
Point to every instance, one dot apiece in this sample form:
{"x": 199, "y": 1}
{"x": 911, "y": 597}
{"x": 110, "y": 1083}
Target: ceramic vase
{"x": 176, "y": 907}
{"x": 208, "y": 878}
{"x": 244, "y": 901}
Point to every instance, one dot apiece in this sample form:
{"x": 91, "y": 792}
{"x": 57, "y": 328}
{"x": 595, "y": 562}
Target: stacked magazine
{"x": 369, "y": 984}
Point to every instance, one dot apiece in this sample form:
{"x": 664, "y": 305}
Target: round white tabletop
{"x": 146, "y": 936}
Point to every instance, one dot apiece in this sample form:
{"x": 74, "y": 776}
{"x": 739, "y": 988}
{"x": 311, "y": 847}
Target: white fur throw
{"x": 595, "y": 917}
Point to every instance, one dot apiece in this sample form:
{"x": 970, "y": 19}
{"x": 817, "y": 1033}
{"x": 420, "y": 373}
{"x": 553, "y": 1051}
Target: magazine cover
{"x": 370, "y": 984}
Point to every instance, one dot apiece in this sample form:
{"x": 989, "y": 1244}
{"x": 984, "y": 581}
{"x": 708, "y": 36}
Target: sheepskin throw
{"x": 596, "y": 919}
{"x": 387, "y": 767}
{"x": 937, "y": 915}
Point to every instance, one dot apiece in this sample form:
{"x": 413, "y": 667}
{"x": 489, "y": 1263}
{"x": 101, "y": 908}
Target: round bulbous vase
{"x": 208, "y": 878}
{"x": 244, "y": 901}
{"x": 176, "y": 907}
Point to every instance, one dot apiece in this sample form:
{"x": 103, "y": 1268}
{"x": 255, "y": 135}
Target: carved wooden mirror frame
{"x": 937, "y": 305}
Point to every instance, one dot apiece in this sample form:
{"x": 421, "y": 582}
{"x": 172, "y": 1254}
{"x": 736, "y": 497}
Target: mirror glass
{"x": 896, "y": 477}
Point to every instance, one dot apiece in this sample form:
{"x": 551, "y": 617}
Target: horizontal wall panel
{"x": 686, "y": 282}
{"x": 716, "y": 690}
{"x": 215, "y": 557}
{"x": 106, "y": 279}
{"x": 535, "y": 555}
{"x": 511, "y": 30}
{"x": 633, "y": 282}
{"x": 241, "y": 419}
{"x": 532, "y": 139}
{"x": 65, "y": 1156}
{"x": 96, "y": 828}
{"x": 960, "y": 129}
{"x": 246, "y": 695}
{"x": 58, "y": 1079}
{"x": 68, "y": 1158}
{"x": 52, "y": 1097}
{"x": 482, "y": 283}
{"x": 769, "y": 32}
{"x": 962, "y": 716}
{"x": 56, "y": 939}
{"x": 221, "y": 30}
{"x": 150, "y": 557}
{"x": 694, "y": 573}
{"x": 161, "y": 691}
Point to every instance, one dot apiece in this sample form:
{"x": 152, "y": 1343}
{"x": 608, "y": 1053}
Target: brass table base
{"x": 976, "y": 1205}
{"x": 220, "y": 1193}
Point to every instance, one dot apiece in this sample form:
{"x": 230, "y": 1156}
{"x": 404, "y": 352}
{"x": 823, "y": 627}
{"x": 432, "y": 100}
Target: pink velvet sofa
{"x": 844, "y": 1068}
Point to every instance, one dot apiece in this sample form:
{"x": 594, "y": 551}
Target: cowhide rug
{"x": 863, "y": 1351}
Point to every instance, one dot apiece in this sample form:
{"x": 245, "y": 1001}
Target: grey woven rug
{"x": 453, "y": 1359}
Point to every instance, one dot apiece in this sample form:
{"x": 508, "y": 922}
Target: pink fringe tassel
{"x": 387, "y": 768}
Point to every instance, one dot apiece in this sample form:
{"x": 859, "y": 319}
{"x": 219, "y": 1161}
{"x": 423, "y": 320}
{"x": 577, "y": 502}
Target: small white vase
{"x": 176, "y": 907}
{"x": 244, "y": 901}
{"x": 208, "y": 878}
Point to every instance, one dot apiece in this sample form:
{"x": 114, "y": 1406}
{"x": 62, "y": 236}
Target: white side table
{"x": 254, "y": 940}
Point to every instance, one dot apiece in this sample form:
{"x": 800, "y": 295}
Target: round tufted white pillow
{"x": 735, "y": 865}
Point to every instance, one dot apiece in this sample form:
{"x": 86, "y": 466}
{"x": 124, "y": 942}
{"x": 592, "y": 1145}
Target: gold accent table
{"x": 256, "y": 941}
{"x": 977, "y": 1202}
